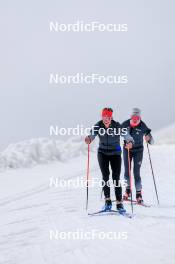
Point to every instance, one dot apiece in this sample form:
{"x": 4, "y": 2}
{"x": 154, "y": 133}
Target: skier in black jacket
{"x": 109, "y": 152}
{"x": 138, "y": 130}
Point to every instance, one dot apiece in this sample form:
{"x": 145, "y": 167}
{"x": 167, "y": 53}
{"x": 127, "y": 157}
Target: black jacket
{"x": 109, "y": 142}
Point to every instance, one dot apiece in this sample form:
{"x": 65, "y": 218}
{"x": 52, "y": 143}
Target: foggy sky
{"x": 29, "y": 53}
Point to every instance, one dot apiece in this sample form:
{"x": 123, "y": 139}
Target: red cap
{"x": 107, "y": 112}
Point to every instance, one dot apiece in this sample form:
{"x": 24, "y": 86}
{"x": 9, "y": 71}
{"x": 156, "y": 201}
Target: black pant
{"x": 137, "y": 157}
{"x": 115, "y": 162}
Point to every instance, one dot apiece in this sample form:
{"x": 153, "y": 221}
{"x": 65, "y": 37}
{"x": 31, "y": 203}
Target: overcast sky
{"x": 29, "y": 53}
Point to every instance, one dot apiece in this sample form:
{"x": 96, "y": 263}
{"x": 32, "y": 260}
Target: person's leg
{"x": 137, "y": 158}
{"x": 126, "y": 169}
{"x": 103, "y": 161}
{"x": 115, "y": 162}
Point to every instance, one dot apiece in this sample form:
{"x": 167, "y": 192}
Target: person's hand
{"x": 129, "y": 145}
{"x": 87, "y": 140}
{"x": 147, "y": 138}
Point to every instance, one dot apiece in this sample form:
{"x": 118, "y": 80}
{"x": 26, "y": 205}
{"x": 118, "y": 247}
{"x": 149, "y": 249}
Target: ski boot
{"x": 120, "y": 207}
{"x": 127, "y": 195}
{"x": 139, "y": 197}
{"x": 108, "y": 205}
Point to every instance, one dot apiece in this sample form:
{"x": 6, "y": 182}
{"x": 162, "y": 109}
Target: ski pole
{"x": 151, "y": 165}
{"x": 130, "y": 178}
{"x": 102, "y": 193}
{"x": 87, "y": 177}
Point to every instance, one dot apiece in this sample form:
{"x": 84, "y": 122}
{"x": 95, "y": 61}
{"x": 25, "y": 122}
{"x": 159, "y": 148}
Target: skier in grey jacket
{"x": 138, "y": 130}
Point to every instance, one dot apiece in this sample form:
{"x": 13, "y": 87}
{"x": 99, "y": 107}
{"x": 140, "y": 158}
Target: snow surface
{"x": 165, "y": 135}
{"x": 30, "y": 208}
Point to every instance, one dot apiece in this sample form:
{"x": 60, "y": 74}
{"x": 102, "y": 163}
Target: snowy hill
{"x": 41, "y": 151}
{"x": 30, "y": 208}
{"x": 165, "y": 135}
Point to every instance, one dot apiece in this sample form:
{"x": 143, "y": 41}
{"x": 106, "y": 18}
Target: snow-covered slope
{"x": 165, "y": 135}
{"x": 41, "y": 151}
{"x": 30, "y": 208}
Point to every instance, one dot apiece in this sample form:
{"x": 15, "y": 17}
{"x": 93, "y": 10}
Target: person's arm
{"x": 148, "y": 135}
{"x": 125, "y": 133}
{"x": 93, "y": 134}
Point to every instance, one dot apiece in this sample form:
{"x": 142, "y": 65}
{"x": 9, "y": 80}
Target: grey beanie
{"x": 136, "y": 111}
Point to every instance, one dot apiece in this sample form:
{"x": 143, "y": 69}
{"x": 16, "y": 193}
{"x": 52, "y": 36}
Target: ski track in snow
{"x": 31, "y": 209}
